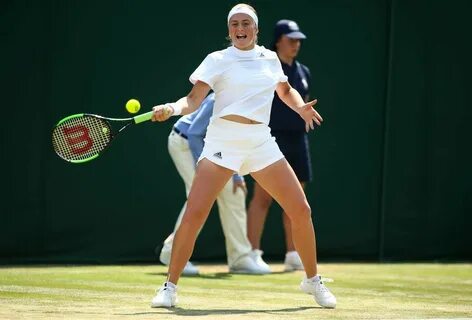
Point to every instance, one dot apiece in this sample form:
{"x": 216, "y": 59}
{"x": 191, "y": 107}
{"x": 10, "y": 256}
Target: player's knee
{"x": 301, "y": 213}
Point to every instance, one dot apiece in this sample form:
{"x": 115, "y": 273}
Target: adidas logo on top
{"x": 218, "y": 155}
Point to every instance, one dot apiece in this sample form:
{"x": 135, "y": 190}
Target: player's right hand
{"x": 161, "y": 112}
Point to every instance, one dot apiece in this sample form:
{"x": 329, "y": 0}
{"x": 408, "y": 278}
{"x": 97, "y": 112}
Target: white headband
{"x": 243, "y": 9}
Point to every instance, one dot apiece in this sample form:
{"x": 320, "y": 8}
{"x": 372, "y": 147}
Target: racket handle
{"x": 143, "y": 117}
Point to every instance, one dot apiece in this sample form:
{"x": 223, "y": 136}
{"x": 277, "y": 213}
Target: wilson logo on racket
{"x": 78, "y": 139}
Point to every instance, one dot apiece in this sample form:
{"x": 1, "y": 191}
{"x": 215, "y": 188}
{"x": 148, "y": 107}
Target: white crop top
{"x": 243, "y": 81}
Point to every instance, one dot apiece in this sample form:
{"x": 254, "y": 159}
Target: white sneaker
{"x": 190, "y": 269}
{"x": 166, "y": 297}
{"x": 256, "y": 255}
{"x": 247, "y": 265}
{"x": 315, "y": 287}
{"x": 292, "y": 261}
{"x": 164, "y": 257}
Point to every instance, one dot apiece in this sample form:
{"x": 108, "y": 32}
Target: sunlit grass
{"x": 364, "y": 291}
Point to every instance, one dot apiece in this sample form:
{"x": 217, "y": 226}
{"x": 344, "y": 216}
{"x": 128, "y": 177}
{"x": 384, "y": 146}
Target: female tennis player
{"x": 243, "y": 77}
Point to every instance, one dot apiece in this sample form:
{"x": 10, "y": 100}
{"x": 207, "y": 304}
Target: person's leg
{"x": 182, "y": 157}
{"x": 294, "y": 145}
{"x": 257, "y": 214}
{"x": 233, "y": 217}
{"x": 288, "y": 229}
{"x": 292, "y": 259}
{"x": 166, "y": 249}
{"x": 208, "y": 182}
{"x": 291, "y": 198}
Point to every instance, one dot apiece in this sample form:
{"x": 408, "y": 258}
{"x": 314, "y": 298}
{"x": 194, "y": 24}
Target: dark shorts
{"x": 294, "y": 145}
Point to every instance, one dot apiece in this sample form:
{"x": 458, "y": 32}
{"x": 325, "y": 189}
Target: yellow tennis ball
{"x": 133, "y": 106}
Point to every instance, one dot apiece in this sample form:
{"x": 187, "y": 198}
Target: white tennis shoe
{"x": 292, "y": 261}
{"x": 164, "y": 257}
{"x": 256, "y": 255}
{"x": 321, "y": 293}
{"x": 166, "y": 297}
{"x": 247, "y": 265}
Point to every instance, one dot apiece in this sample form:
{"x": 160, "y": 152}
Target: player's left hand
{"x": 310, "y": 115}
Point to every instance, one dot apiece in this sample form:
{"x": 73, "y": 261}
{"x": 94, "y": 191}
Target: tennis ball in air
{"x": 133, "y": 106}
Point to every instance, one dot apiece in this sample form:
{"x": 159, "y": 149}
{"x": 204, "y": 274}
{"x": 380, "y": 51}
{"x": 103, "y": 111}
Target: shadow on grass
{"x": 215, "y": 275}
{"x": 208, "y": 312}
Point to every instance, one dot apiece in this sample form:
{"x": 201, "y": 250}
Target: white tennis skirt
{"x": 243, "y": 148}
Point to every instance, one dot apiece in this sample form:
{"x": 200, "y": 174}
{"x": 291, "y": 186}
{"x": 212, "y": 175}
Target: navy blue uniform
{"x": 288, "y": 127}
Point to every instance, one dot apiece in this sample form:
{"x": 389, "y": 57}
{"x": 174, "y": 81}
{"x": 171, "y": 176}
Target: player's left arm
{"x": 294, "y": 100}
{"x": 184, "y": 105}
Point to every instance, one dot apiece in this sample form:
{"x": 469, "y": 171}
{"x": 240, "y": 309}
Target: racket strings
{"x": 82, "y": 137}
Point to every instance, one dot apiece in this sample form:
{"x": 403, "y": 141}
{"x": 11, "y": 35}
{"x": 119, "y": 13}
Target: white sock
{"x": 315, "y": 278}
{"x": 169, "y": 284}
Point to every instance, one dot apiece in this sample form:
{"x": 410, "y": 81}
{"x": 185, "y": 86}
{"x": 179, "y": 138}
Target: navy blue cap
{"x": 288, "y": 28}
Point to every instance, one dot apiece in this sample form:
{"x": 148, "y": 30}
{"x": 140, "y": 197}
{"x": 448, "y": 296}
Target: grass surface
{"x": 364, "y": 291}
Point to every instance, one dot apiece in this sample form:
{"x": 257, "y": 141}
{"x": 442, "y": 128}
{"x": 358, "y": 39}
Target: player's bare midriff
{"x": 240, "y": 119}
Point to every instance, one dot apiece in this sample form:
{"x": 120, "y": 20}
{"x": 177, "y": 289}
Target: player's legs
{"x": 289, "y": 246}
{"x": 295, "y": 147}
{"x": 209, "y": 180}
{"x": 288, "y": 228}
{"x": 291, "y": 198}
{"x": 257, "y": 214}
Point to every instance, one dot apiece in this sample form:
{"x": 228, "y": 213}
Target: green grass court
{"x": 364, "y": 291}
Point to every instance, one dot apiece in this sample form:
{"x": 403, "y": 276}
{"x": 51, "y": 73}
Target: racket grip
{"x": 143, "y": 117}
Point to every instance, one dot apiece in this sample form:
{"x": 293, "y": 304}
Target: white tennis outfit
{"x": 231, "y": 205}
{"x": 244, "y": 83}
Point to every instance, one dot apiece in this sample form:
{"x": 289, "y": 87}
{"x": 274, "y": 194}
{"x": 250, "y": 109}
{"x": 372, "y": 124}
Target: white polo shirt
{"x": 243, "y": 81}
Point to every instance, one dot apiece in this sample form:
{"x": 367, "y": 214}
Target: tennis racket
{"x": 83, "y": 137}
